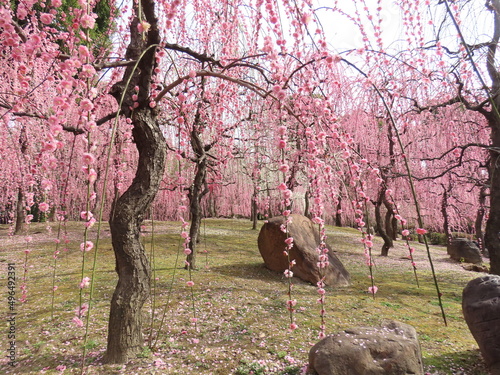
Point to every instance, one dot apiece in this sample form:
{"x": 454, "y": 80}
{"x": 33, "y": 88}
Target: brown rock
{"x": 481, "y": 309}
{"x": 476, "y": 268}
{"x": 391, "y": 349}
{"x": 464, "y": 250}
{"x": 271, "y": 243}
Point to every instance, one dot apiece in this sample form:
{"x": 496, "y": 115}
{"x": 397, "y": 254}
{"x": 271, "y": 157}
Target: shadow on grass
{"x": 248, "y": 271}
{"x": 463, "y": 362}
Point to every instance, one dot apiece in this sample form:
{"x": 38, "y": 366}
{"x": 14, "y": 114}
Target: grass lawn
{"x": 242, "y": 321}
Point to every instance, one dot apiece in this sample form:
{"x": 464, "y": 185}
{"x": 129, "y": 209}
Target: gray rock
{"x": 271, "y": 243}
{"x": 464, "y": 250}
{"x": 391, "y": 349}
{"x": 481, "y": 309}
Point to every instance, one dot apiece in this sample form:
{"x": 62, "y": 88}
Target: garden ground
{"x": 239, "y": 306}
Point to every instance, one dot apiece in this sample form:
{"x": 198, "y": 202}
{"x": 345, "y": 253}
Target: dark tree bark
{"x": 197, "y": 191}
{"x": 255, "y": 214}
{"x": 478, "y": 224}
{"x": 388, "y": 242}
{"x": 20, "y": 210}
{"x": 20, "y": 204}
{"x": 444, "y": 212}
{"x": 338, "y": 215}
{"x": 492, "y": 235}
{"x": 132, "y": 290}
{"x": 307, "y": 212}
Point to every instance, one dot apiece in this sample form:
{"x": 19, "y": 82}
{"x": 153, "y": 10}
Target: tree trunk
{"x": 380, "y": 225}
{"x": 307, "y": 212}
{"x": 492, "y": 235}
{"x": 20, "y": 204}
{"x": 133, "y": 287}
{"x": 254, "y": 210}
{"x": 391, "y": 223}
{"x": 338, "y": 214}
{"x": 20, "y": 210}
{"x": 132, "y": 265}
{"x": 444, "y": 212}
{"x": 196, "y": 192}
{"x": 478, "y": 225}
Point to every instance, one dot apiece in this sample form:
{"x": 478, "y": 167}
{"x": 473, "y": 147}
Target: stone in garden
{"x": 464, "y": 250}
{"x": 481, "y": 309}
{"x": 305, "y": 242}
{"x": 391, "y": 349}
{"x": 476, "y": 268}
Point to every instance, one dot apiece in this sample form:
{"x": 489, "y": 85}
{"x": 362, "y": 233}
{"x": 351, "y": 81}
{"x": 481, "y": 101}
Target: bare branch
{"x": 202, "y": 57}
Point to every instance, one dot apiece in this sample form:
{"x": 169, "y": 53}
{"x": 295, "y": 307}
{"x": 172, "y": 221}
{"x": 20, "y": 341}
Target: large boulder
{"x": 481, "y": 309}
{"x": 464, "y": 250}
{"x": 305, "y": 242}
{"x": 391, "y": 349}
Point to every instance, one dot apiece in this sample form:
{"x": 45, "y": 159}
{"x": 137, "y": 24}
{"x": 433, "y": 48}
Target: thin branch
{"x": 202, "y": 57}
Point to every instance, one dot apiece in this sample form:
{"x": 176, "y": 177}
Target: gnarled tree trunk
{"x": 444, "y": 212}
{"x": 125, "y": 321}
{"x": 492, "y": 234}
{"x": 388, "y": 243}
{"x": 478, "y": 224}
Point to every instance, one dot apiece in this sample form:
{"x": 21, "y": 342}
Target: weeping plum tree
{"x": 152, "y": 77}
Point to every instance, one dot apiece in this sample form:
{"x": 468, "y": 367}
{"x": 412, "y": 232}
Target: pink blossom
{"x": 187, "y": 251}
{"x": 88, "y": 71}
{"x": 289, "y": 241}
{"x": 405, "y": 232}
{"x": 58, "y": 101}
{"x": 92, "y": 175}
{"x": 46, "y": 18}
{"x": 87, "y": 21}
{"x": 159, "y": 362}
{"x": 90, "y": 223}
{"x": 277, "y": 89}
{"x": 86, "y": 246}
{"x": 373, "y": 289}
{"x": 143, "y": 27}
{"x": 78, "y": 322}
{"x": 83, "y": 51}
{"x": 293, "y": 326}
{"x": 85, "y": 282}
{"x": 82, "y": 310}
{"x": 43, "y": 207}
{"x": 288, "y": 274}
{"x": 88, "y": 158}
{"x": 284, "y": 168}
{"x": 28, "y": 219}
{"x": 86, "y": 215}
{"x": 56, "y": 3}
{"x": 87, "y": 105}
{"x": 282, "y": 187}
{"x": 190, "y": 283}
{"x": 61, "y": 368}
{"x": 421, "y": 231}
{"x": 281, "y": 144}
